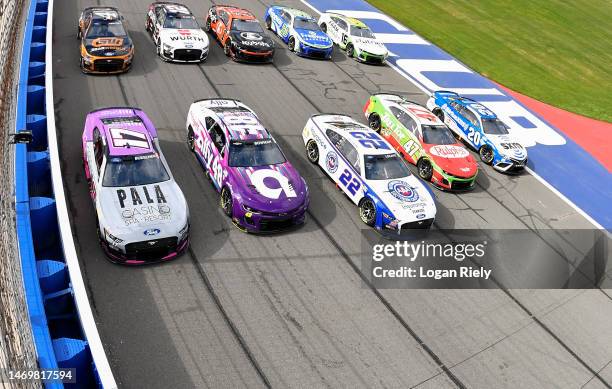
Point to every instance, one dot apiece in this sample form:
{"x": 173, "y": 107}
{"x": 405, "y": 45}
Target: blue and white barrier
{"x": 63, "y": 326}
{"x": 554, "y": 159}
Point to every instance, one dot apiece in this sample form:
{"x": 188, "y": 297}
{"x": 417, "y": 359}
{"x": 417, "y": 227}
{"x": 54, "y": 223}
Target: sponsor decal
{"x": 251, "y": 36}
{"x": 146, "y": 205}
{"x": 449, "y": 151}
{"x": 261, "y": 180}
{"x": 331, "y": 161}
{"x": 152, "y": 231}
{"x": 420, "y": 216}
{"x": 402, "y": 191}
{"x": 122, "y": 137}
{"x": 108, "y": 42}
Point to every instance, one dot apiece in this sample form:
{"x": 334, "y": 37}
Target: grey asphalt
{"x": 290, "y": 310}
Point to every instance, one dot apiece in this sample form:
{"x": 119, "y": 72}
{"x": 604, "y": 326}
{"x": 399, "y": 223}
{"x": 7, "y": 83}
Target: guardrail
{"x": 64, "y": 329}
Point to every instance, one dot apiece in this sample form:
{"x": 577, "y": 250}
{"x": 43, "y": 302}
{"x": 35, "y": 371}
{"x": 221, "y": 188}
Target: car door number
{"x": 370, "y": 140}
{"x": 351, "y": 183}
{"x": 473, "y": 136}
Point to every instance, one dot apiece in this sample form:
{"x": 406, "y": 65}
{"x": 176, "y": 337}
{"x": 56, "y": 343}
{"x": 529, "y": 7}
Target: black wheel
{"x": 367, "y": 212}
{"x": 207, "y": 25}
{"x": 486, "y": 154}
{"x": 291, "y": 44}
{"x": 425, "y": 169}
{"x": 312, "y": 151}
{"x": 269, "y": 23}
{"x": 226, "y": 202}
{"x": 350, "y": 50}
{"x": 438, "y": 112}
{"x": 324, "y": 27}
{"x": 190, "y": 139}
{"x": 374, "y": 122}
{"x": 227, "y": 48}
{"x": 159, "y": 48}
{"x": 78, "y": 34}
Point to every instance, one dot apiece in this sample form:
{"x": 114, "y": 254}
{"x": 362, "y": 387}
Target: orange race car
{"x": 106, "y": 47}
{"x": 240, "y": 34}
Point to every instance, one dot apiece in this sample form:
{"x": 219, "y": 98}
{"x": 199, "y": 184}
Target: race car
{"x": 176, "y": 33}
{"x": 481, "y": 129}
{"x": 421, "y": 138}
{"x": 142, "y": 216}
{"x": 260, "y": 190}
{"x": 367, "y": 169}
{"x": 106, "y": 47}
{"x": 354, "y": 36}
{"x": 239, "y": 33}
{"x": 300, "y": 31}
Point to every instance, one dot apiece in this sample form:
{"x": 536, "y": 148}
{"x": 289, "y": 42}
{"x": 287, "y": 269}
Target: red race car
{"x": 423, "y": 140}
{"x": 240, "y": 34}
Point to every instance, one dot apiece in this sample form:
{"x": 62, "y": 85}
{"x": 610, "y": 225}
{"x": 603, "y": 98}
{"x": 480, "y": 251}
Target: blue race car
{"x": 300, "y": 31}
{"x": 481, "y": 129}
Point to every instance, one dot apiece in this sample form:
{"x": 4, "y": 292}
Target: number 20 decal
{"x": 370, "y": 140}
{"x": 474, "y": 136}
{"x": 351, "y": 183}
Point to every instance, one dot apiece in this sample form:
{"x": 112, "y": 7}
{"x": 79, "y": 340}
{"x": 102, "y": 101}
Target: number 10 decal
{"x": 351, "y": 183}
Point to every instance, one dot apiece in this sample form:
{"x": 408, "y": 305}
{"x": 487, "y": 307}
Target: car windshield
{"x": 186, "y": 22}
{"x": 363, "y": 32}
{"x": 105, "y": 29}
{"x": 306, "y": 24}
{"x": 255, "y": 153}
{"x": 437, "y": 135}
{"x": 246, "y": 26}
{"x": 132, "y": 171}
{"x": 494, "y": 127}
{"x": 385, "y": 167}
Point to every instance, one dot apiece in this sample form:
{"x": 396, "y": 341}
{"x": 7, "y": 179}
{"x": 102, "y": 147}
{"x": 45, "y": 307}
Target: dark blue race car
{"x": 300, "y": 31}
{"x": 481, "y": 129}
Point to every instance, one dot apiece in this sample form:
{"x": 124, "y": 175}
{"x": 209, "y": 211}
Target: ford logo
{"x": 420, "y": 216}
{"x": 152, "y": 231}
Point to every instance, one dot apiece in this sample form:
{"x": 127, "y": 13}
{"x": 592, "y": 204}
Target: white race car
{"x": 176, "y": 33}
{"x": 354, "y": 36}
{"x": 367, "y": 168}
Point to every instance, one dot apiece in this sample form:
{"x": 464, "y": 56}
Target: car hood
{"x": 370, "y": 45}
{"x": 277, "y": 188}
{"x": 314, "y": 38}
{"x": 108, "y": 47}
{"x": 159, "y": 206}
{"x": 513, "y": 148}
{"x": 252, "y": 41}
{"x": 453, "y": 159}
{"x": 407, "y": 198}
{"x": 192, "y": 38}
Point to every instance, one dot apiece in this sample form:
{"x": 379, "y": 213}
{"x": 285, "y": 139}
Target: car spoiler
{"x": 101, "y": 7}
{"x": 107, "y": 108}
{"x": 396, "y": 95}
{"x": 446, "y": 92}
{"x": 218, "y": 98}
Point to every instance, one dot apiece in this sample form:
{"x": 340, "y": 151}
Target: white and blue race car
{"x": 481, "y": 129}
{"x": 369, "y": 171}
{"x": 299, "y": 31}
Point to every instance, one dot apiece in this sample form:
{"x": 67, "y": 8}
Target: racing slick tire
{"x": 312, "y": 151}
{"x": 291, "y": 44}
{"x": 374, "y": 122}
{"x": 190, "y": 139}
{"x": 158, "y": 49}
{"x": 367, "y": 211}
{"x": 207, "y": 26}
{"x": 226, "y": 202}
{"x": 439, "y": 113}
{"x": 486, "y": 154}
{"x": 227, "y": 48}
{"x": 350, "y": 50}
{"x": 425, "y": 169}
{"x": 324, "y": 28}
{"x": 78, "y": 34}
{"x": 269, "y": 23}
{"x": 82, "y": 65}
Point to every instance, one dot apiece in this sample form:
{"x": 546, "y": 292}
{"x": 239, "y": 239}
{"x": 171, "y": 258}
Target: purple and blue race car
{"x": 260, "y": 190}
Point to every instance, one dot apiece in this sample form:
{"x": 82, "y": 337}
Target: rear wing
{"x": 402, "y": 97}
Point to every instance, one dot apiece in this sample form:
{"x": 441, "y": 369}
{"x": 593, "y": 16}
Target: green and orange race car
{"x": 106, "y": 47}
{"x": 420, "y": 137}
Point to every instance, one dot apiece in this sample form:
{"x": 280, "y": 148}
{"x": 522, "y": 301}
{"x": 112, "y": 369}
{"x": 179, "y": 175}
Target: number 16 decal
{"x": 351, "y": 183}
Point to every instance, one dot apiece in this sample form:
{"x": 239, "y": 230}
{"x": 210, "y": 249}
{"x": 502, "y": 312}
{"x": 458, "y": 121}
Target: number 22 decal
{"x": 351, "y": 183}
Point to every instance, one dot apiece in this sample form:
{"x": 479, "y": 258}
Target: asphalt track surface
{"x": 291, "y": 310}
